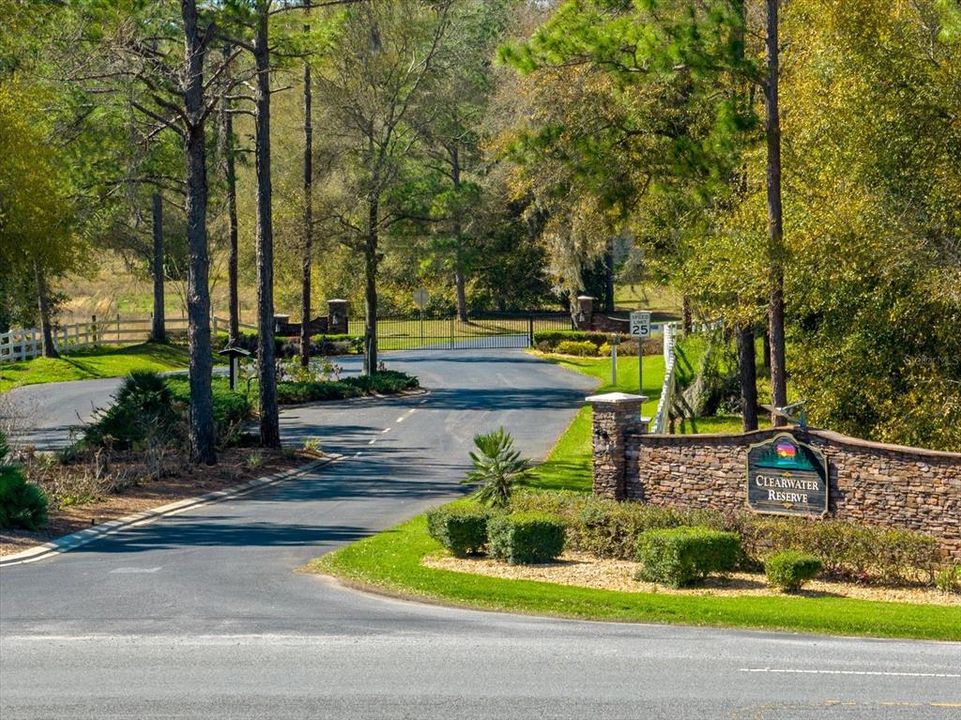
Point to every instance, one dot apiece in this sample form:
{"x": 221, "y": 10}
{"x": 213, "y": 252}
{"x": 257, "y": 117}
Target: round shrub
{"x": 143, "y": 411}
{"x": 684, "y": 555}
{"x": 788, "y": 570}
{"x": 462, "y": 530}
{"x": 583, "y": 348}
{"x": 22, "y": 504}
{"x": 525, "y": 538}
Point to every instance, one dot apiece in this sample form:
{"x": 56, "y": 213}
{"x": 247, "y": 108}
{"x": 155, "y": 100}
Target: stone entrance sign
{"x": 786, "y": 477}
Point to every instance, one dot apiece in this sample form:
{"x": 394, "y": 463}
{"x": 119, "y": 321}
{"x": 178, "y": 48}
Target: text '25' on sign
{"x": 641, "y": 324}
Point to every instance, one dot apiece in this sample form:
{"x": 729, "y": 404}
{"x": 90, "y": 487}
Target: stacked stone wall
{"x": 870, "y": 483}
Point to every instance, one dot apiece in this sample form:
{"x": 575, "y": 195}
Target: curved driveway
{"x": 203, "y": 615}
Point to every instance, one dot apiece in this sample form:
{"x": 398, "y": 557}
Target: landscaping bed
{"x": 134, "y": 455}
{"x": 584, "y": 570}
{"x": 81, "y": 496}
{"x": 392, "y": 563}
{"x": 583, "y": 343}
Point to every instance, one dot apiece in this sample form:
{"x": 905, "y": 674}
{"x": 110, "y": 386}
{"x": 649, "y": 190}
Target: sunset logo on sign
{"x": 784, "y": 455}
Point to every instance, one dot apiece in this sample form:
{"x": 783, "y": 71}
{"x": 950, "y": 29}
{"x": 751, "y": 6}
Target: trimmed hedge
{"x": 608, "y": 528}
{"x": 591, "y": 344}
{"x": 860, "y": 553}
{"x": 462, "y": 530}
{"x": 286, "y": 347}
{"x": 555, "y": 337}
{"x": 584, "y": 348}
{"x": 386, "y": 382}
{"x": 682, "y": 556}
{"x": 788, "y": 570}
{"x": 22, "y": 504}
{"x": 848, "y": 551}
{"x": 525, "y": 538}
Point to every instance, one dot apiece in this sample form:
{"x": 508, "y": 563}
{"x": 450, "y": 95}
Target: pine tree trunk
{"x": 49, "y": 348}
{"x": 202, "y": 434}
{"x": 460, "y": 279}
{"x": 609, "y": 277}
{"x": 267, "y": 372}
{"x": 158, "y": 332}
{"x": 308, "y": 229}
{"x": 370, "y": 293}
{"x": 5, "y": 304}
{"x": 233, "y": 293}
{"x": 747, "y": 372}
{"x": 776, "y": 250}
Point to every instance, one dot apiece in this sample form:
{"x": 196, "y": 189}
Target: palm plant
{"x": 497, "y": 466}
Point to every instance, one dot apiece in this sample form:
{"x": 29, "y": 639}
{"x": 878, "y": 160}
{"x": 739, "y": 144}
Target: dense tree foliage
{"x": 509, "y": 154}
{"x": 646, "y": 119}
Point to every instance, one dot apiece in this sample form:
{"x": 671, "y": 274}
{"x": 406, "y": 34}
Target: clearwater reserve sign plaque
{"x": 786, "y": 477}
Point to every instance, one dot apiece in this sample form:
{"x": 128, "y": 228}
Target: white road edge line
{"x": 60, "y": 545}
{"x": 881, "y": 673}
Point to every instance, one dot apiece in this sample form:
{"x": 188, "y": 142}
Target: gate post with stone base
{"x": 615, "y": 416}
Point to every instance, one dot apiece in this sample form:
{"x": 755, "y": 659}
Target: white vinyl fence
{"x": 27, "y": 344}
{"x": 662, "y": 416}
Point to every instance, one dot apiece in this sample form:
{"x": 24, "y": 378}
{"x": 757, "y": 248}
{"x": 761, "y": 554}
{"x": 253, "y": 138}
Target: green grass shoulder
{"x": 93, "y": 363}
{"x": 390, "y": 562}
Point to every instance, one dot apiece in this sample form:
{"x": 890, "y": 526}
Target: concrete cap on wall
{"x": 617, "y": 398}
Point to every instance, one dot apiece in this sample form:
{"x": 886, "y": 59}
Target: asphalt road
{"x": 204, "y": 615}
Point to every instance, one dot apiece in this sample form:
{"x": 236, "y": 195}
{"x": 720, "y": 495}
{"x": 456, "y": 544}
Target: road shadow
{"x": 384, "y": 475}
{"x": 223, "y": 531}
{"x": 506, "y": 399}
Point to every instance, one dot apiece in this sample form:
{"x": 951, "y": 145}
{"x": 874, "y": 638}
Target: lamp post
{"x": 234, "y": 354}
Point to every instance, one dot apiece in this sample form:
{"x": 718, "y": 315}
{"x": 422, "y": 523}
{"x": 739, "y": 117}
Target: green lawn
{"x": 408, "y": 334}
{"x": 391, "y": 562}
{"x": 568, "y": 466}
{"x": 99, "y": 362}
{"x": 659, "y": 299}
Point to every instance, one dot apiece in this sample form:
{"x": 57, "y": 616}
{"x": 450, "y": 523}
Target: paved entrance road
{"x": 203, "y": 614}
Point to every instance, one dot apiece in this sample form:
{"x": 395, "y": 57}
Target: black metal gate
{"x": 446, "y": 332}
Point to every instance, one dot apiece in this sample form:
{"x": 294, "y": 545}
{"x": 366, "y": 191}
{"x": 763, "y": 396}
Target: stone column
{"x": 337, "y": 317}
{"x": 585, "y": 311}
{"x": 615, "y": 415}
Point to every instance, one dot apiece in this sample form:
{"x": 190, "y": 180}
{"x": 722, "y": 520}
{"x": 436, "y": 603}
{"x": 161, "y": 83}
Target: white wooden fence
{"x": 27, "y": 344}
{"x": 662, "y": 415}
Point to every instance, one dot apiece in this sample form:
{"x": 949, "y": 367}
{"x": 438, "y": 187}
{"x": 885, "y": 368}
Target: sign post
{"x": 641, "y": 329}
{"x": 420, "y": 300}
{"x": 615, "y": 339}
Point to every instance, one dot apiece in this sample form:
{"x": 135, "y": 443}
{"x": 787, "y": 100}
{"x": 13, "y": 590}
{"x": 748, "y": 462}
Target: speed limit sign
{"x": 641, "y": 324}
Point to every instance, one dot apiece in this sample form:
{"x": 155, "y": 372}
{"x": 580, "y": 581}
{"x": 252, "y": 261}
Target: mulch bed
{"x": 584, "y": 570}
